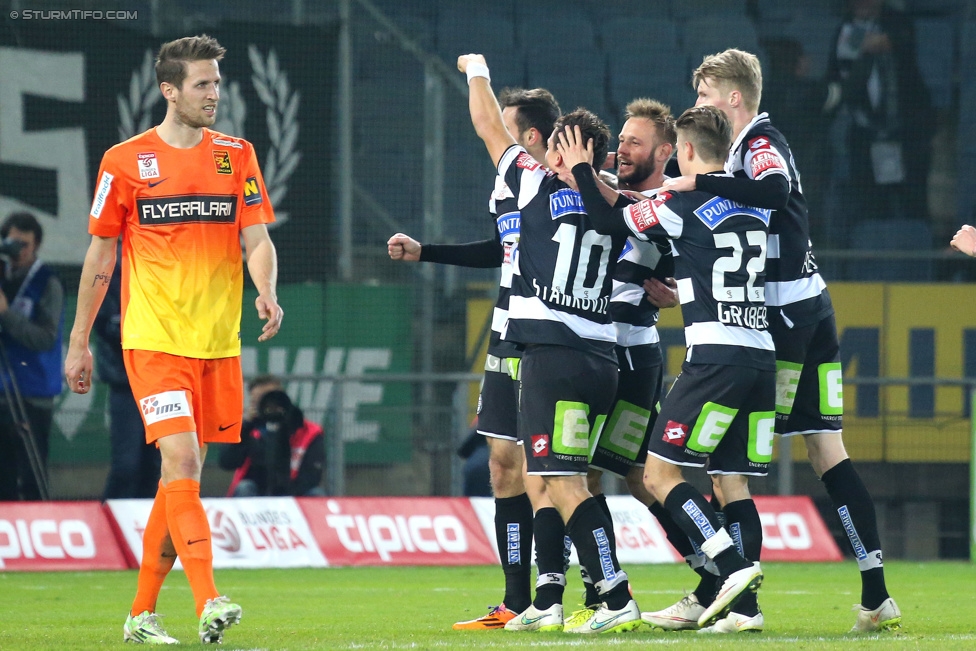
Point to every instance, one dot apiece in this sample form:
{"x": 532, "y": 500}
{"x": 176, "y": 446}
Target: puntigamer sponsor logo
{"x": 564, "y": 202}
{"x": 717, "y": 210}
{"x": 158, "y": 211}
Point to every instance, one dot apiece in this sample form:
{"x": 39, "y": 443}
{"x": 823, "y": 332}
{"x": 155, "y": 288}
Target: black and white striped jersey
{"x": 504, "y": 209}
{"x": 634, "y": 317}
{"x": 719, "y": 251}
{"x": 561, "y": 282}
{"x": 793, "y": 283}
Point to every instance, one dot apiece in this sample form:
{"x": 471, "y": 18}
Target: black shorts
{"x": 724, "y": 415}
{"x": 498, "y": 402}
{"x": 809, "y": 380}
{"x": 564, "y": 398}
{"x": 623, "y": 442}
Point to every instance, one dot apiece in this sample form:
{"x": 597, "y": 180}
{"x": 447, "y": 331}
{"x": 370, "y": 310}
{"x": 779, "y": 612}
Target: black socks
{"x": 856, "y": 510}
{"x": 550, "y": 537}
{"x": 742, "y": 521}
{"x": 513, "y": 535}
{"x": 588, "y": 529}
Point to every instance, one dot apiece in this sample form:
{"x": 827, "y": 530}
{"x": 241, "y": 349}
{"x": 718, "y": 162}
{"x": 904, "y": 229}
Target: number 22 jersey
{"x": 719, "y": 251}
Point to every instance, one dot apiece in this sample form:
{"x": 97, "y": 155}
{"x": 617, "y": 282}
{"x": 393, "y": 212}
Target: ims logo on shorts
{"x": 163, "y": 406}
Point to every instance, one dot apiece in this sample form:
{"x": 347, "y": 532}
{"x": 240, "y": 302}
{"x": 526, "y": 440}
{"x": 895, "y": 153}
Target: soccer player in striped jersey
{"x": 720, "y": 410}
{"x": 529, "y": 116}
{"x": 559, "y": 311}
{"x": 645, "y": 144}
{"x": 809, "y": 382}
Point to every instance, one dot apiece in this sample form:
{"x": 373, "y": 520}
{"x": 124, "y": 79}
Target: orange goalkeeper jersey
{"x": 180, "y": 213}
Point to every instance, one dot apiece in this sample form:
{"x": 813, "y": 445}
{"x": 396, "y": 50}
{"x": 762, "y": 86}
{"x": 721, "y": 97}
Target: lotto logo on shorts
{"x": 641, "y": 216}
{"x": 163, "y": 406}
{"x": 540, "y": 445}
{"x": 675, "y": 433}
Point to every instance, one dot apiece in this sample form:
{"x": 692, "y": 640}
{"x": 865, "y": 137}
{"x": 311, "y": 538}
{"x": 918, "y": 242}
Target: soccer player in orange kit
{"x": 181, "y": 197}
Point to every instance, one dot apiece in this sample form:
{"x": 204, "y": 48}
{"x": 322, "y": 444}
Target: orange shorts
{"x": 184, "y": 394}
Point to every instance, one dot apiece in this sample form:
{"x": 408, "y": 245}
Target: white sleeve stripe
{"x": 533, "y": 309}
{"x": 712, "y": 332}
{"x": 627, "y": 293}
{"x": 793, "y": 291}
{"x": 671, "y": 222}
{"x": 630, "y": 335}
{"x": 686, "y": 290}
{"x": 499, "y": 319}
{"x": 529, "y": 186}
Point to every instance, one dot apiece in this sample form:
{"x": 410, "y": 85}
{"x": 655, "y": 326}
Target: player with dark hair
{"x": 529, "y": 116}
{"x": 809, "y": 381}
{"x": 558, "y": 310}
{"x": 720, "y": 409}
{"x": 183, "y": 198}
{"x": 645, "y": 143}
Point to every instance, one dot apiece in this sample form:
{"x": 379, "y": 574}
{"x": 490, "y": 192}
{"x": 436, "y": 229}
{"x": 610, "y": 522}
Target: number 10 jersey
{"x": 562, "y": 276}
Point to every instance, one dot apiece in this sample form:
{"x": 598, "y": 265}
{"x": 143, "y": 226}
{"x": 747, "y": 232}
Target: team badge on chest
{"x": 148, "y": 166}
{"x": 222, "y": 161}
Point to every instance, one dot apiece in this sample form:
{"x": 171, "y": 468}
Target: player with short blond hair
{"x": 809, "y": 381}
{"x": 733, "y": 72}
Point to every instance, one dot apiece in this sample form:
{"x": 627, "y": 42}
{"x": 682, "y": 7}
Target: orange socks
{"x": 158, "y": 556}
{"x": 190, "y": 532}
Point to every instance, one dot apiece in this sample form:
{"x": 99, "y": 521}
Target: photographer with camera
{"x": 31, "y": 325}
{"x": 280, "y": 453}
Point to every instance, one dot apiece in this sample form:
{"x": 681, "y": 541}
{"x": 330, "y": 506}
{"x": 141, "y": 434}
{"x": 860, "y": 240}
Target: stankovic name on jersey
{"x": 555, "y": 296}
{"x": 747, "y": 317}
{"x": 189, "y": 208}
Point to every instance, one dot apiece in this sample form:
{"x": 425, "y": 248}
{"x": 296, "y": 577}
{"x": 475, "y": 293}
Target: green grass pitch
{"x": 807, "y": 606}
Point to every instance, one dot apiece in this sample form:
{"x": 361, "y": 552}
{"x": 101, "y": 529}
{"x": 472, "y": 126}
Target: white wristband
{"x": 478, "y": 70}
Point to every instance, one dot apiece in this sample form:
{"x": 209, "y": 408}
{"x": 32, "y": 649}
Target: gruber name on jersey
{"x": 719, "y": 251}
